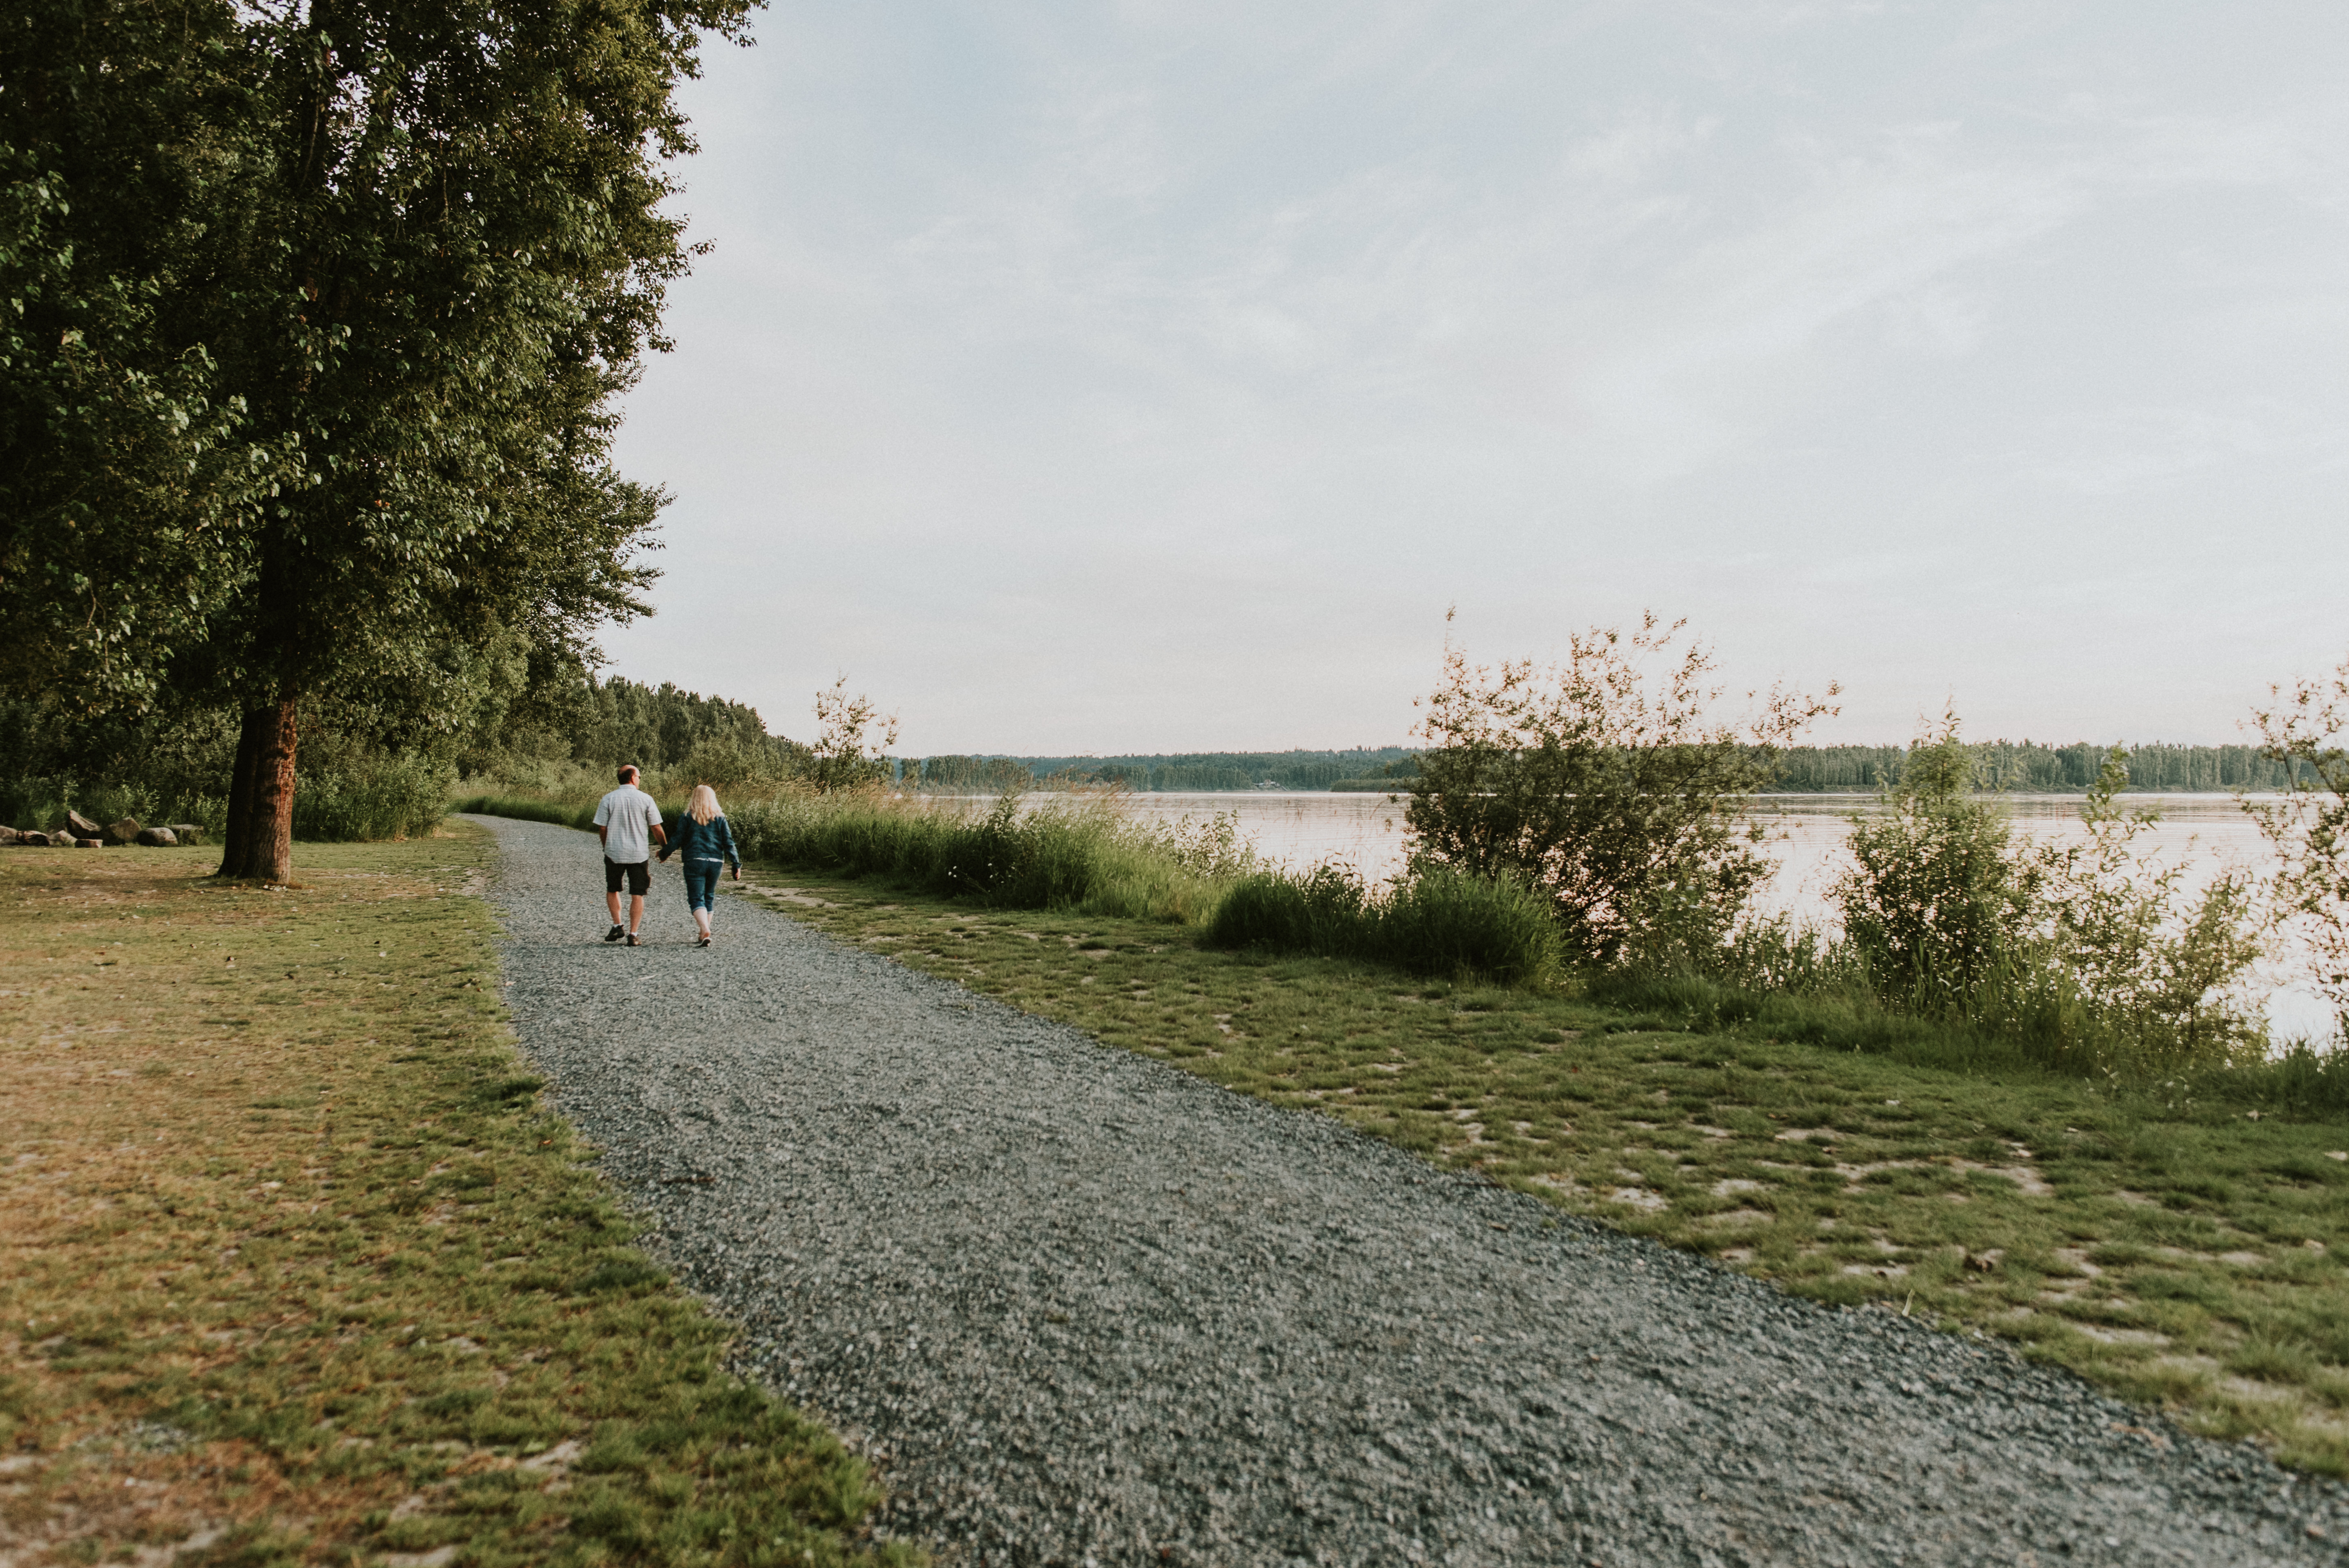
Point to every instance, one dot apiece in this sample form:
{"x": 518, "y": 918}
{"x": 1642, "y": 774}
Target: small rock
{"x": 9, "y": 835}
{"x": 187, "y": 833}
{"x": 124, "y": 831}
{"x": 156, "y": 838}
{"x": 36, "y": 839}
{"x": 89, "y": 843}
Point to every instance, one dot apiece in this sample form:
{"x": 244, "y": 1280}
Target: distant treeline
{"x": 2022, "y": 765}
{"x": 2030, "y": 767}
{"x": 605, "y": 723}
{"x": 1159, "y": 773}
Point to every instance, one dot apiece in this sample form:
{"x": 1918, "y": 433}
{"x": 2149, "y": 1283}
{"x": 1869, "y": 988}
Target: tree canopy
{"x": 321, "y": 311}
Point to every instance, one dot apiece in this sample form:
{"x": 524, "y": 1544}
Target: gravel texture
{"x": 1084, "y": 1308}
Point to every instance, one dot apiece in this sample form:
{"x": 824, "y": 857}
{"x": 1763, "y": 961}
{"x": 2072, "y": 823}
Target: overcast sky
{"x": 1151, "y": 377}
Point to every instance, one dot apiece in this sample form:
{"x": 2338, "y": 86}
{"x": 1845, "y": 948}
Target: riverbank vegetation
{"x": 294, "y": 1267}
{"x": 2084, "y": 957}
{"x": 2309, "y": 828}
{"x": 1079, "y": 853}
{"x": 1606, "y": 792}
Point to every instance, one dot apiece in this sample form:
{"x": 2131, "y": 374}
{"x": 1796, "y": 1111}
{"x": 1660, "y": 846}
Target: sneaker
{"x": 632, "y": 940}
{"x": 703, "y": 943}
{"x": 616, "y": 933}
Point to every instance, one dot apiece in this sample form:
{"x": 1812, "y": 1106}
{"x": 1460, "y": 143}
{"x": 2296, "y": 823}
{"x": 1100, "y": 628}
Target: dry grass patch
{"x": 293, "y": 1269}
{"x": 2182, "y": 1255}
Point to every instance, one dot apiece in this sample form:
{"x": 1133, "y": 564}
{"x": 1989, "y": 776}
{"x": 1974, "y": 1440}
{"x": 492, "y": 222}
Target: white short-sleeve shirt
{"x": 629, "y": 816}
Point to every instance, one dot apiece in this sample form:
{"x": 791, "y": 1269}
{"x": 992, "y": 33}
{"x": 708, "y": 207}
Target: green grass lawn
{"x": 2180, "y": 1254}
{"x": 293, "y": 1268}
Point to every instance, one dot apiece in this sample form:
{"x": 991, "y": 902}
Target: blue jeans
{"x": 701, "y": 884}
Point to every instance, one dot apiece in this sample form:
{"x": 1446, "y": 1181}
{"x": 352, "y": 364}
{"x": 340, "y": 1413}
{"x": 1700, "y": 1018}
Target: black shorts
{"x": 639, "y": 874}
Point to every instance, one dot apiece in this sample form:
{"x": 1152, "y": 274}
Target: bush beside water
{"x": 1438, "y": 922}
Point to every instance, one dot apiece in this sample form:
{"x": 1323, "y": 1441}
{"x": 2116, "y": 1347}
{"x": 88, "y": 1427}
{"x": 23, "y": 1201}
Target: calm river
{"x": 1809, "y": 833}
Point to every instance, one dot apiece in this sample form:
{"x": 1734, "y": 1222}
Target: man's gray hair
{"x": 628, "y": 772}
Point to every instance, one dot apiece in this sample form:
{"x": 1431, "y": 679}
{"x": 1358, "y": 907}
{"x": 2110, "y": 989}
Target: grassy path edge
{"x": 295, "y": 1269}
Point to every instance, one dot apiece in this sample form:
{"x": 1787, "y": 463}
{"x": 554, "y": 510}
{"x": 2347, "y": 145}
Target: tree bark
{"x": 236, "y": 840}
{"x": 272, "y": 853}
{"x": 261, "y": 835}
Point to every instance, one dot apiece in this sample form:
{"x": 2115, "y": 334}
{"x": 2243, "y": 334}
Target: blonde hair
{"x": 703, "y": 804}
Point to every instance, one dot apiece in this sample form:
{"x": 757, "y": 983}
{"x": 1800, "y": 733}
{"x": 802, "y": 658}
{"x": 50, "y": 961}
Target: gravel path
{"x": 1084, "y": 1308}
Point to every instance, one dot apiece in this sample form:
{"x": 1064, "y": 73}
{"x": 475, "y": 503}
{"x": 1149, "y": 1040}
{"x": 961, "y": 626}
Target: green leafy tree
{"x": 1606, "y": 783}
{"x": 130, "y": 471}
{"x": 466, "y": 262}
{"x": 315, "y": 317}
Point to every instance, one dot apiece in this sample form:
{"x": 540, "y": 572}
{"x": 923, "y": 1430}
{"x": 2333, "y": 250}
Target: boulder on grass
{"x": 125, "y": 831}
{"x": 89, "y": 843}
{"x": 35, "y": 839}
{"x": 156, "y": 838}
{"x": 188, "y": 833}
{"x": 9, "y": 835}
{"x": 74, "y": 825}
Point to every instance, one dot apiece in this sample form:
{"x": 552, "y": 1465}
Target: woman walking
{"x": 708, "y": 845}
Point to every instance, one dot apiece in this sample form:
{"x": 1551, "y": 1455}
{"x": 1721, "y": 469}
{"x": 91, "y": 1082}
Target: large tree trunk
{"x": 261, "y": 837}
{"x": 272, "y": 800}
{"x": 236, "y": 841}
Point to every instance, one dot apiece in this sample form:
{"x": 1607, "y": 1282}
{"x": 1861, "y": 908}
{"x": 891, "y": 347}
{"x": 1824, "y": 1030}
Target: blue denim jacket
{"x": 711, "y": 841}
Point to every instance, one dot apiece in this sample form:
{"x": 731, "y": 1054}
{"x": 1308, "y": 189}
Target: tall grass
{"x": 1077, "y": 853}
{"x": 1439, "y": 921}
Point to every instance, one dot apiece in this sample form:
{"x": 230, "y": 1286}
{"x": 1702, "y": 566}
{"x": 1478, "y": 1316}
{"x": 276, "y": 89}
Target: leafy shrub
{"x": 2165, "y": 970}
{"x": 2088, "y": 956}
{"x": 1603, "y": 785}
{"x": 853, "y": 740}
{"x": 371, "y": 797}
{"x": 1938, "y": 905}
{"x": 2309, "y": 827}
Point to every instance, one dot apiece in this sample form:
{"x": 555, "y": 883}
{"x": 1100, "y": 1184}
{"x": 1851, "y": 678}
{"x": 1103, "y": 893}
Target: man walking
{"x": 628, "y": 824}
